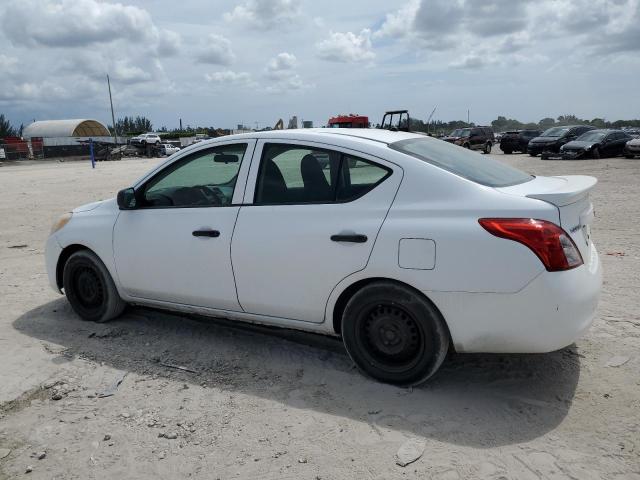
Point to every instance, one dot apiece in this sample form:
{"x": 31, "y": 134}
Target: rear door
{"x": 311, "y": 216}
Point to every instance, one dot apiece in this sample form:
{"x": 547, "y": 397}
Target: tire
{"x": 544, "y": 157}
{"x": 595, "y": 153}
{"x": 143, "y": 143}
{"x": 626, "y": 155}
{"x": 533, "y": 154}
{"x": 467, "y": 146}
{"x": 487, "y": 148}
{"x": 507, "y": 152}
{"x": 90, "y": 288}
{"x": 393, "y": 334}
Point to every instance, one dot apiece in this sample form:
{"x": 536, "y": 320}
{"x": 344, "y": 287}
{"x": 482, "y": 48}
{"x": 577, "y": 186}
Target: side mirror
{"x": 127, "y": 199}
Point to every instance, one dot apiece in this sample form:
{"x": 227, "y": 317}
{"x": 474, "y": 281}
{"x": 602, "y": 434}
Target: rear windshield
{"x": 478, "y": 168}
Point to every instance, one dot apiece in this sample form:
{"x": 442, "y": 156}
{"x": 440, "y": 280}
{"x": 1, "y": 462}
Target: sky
{"x": 223, "y": 63}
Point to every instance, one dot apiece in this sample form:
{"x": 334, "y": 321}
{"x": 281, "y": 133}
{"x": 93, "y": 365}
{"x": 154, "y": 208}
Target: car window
{"x": 358, "y": 176}
{"x": 460, "y": 161}
{"x": 204, "y": 179}
{"x": 294, "y": 174}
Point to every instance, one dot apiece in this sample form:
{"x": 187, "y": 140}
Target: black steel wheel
{"x": 596, "y": 153}
{"x": 394, "y": 334}
{"x": 90, "y": 288}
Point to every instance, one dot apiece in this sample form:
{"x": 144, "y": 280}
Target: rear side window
{"x": 295, "y": 174}
{"x": 460, "y": 161}
{"x": 357, "y": 177}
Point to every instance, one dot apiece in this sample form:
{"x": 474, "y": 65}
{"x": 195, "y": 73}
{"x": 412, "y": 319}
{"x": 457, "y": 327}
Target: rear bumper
{"x": 551, "y": 312}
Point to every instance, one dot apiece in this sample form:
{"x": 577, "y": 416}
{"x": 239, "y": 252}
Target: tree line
{"x": 8, "y": 130}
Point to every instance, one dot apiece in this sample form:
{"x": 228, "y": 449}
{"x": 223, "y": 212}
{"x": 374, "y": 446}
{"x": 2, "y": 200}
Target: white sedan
{"x": 168, "y": 149}
{"x": 404, "y": 245}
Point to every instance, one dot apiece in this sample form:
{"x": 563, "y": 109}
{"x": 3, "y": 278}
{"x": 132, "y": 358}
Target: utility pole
{"x": 430, "y": 117}
{"x": 468, "y": 122}
{"x": 113, "y": 117}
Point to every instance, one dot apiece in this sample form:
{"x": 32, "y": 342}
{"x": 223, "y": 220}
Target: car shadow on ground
{"x": 478, "y": 400}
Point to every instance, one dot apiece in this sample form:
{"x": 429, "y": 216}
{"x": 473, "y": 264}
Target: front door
{"x": 175, "y": 247}
{"x": 313, "y": 220}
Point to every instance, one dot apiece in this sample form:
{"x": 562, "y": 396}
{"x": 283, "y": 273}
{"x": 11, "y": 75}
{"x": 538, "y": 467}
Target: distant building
{"x": 293, "y": 122}
{"x": 307, "y": 124}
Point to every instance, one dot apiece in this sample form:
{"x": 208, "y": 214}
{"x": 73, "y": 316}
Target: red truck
{"x": 349, "y": 121}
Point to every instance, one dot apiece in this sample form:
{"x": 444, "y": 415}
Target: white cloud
{"x": 216, "y": 50}
{"x": 346, "y": 47}
{"x": 228, "y": 77}
{"x": 281, "y": 64}
{"x": 265, "y": 14}
{"x": 400, "y": 23}
{"x": 281, "y": 73}
{"x": 75, "y": 23}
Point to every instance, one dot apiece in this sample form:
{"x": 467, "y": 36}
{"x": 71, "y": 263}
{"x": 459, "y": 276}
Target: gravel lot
{"x": 258, "y": 403}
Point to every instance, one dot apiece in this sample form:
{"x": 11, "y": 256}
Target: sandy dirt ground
{"x": 258, "y": 403}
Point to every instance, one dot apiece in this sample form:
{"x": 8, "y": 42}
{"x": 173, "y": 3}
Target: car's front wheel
{"x": 487, "y": 148}
{"x": 393, "y": 334}
{"x": 90, "y": 288}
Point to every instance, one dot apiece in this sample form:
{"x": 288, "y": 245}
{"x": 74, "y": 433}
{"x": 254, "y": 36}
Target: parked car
{"x": 596, "y": 144}
{"x": 475, "y": 138}
{"x": 517, "y": 140}
{"x": 632, "y": 148}
{"x": 168, "y": 149}
{"x": 406, "y": 246}
{"x": 551, "y": 140}
{"x": 146, "y": 139}
{"x": 634, "y": 132}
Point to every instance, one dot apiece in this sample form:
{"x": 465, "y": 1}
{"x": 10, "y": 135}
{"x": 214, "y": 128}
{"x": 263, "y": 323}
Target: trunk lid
{"x": 570, "y": 195}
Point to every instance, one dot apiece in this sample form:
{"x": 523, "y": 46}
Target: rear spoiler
{"x": 574, "y": 188}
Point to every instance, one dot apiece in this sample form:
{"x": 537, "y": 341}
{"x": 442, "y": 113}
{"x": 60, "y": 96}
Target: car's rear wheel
{"x": 507, "y": 152}
{"x": 533, "y": 154}
{"x": 487, "y": 148}
{"x": 393, "y": 334}
{"x": 90, "y": 288}
{"x": 629, "y": 156}
{"x": 467, "y": 146}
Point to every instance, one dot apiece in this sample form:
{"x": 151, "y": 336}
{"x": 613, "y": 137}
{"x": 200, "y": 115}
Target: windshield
{"x": 461, "y": 132}
{"x": 592, "y": 136}
{"x": 555, "y": 132}
{"x": 460, "y": 161}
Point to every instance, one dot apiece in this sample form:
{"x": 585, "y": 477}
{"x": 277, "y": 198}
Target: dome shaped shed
{"x": 65, "y": 128}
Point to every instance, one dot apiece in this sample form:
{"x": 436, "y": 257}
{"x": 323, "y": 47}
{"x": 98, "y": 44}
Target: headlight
{"x": 61, "y": 222}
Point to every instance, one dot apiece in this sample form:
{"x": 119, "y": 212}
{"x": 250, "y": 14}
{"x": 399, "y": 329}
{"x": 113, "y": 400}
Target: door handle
{"x": 206, "y": 233}
{"x": 353, "y": 238}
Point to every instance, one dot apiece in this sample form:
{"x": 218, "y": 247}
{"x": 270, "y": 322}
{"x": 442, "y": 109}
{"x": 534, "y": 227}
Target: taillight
{"x": 549, "y": 242}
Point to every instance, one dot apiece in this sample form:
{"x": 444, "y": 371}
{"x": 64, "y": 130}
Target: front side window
{"x": 294, "y": 174}
{"x": 204, "y": 179}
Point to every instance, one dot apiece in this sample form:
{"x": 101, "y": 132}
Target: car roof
{"x": 328, "y": 134}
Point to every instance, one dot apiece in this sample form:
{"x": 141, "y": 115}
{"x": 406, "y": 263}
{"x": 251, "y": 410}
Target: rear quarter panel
{"x": 437, "y": 205}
